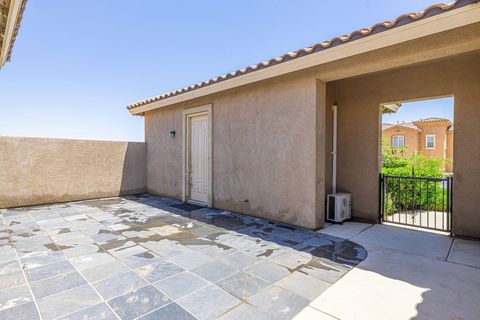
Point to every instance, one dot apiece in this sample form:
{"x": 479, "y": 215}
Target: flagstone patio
{"x": 148, "y": 257}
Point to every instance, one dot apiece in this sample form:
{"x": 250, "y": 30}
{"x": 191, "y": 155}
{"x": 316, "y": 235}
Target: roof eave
{"x": 445, "y": 122}
{"x": 403, "y": 127}
{"x": 439, "y": 23}
{"x": 14, "y": 19}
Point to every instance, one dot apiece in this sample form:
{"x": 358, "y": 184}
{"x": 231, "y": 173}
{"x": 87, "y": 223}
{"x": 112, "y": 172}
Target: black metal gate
{"x": 417, "y": 201}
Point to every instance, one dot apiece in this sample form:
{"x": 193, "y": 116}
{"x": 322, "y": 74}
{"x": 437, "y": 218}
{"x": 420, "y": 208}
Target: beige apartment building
{"x": 432, "y": 137}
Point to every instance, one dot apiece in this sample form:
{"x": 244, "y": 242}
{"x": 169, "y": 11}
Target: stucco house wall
{"x": 440, "y": 132}
{"x": 411, "y": 138}
{"x": 264, "y": 149}
{"x": 359, "y": 131}
{"x": 37, "y": 170}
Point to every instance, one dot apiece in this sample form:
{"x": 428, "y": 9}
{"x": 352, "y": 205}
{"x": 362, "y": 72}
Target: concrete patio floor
{"x": 147, "y": 257}
{"x": 407, "y": 274}
{"x": 421, "y": 218}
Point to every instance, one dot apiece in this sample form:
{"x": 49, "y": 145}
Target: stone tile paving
{"x": 148, "y": 257}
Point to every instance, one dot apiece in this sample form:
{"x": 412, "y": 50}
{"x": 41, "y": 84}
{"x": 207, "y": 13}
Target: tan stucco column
{"x": 320, "y": 152}
{"x": 465, "y": 79}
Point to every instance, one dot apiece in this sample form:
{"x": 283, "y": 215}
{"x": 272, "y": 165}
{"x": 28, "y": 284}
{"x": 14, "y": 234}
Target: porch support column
{"x": 321, "y": 152}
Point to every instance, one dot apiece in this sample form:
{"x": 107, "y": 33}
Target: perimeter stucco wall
{"x": 264, "y": 150}
{"x": 37, "y": 171}
{"x": 359, "y": 131}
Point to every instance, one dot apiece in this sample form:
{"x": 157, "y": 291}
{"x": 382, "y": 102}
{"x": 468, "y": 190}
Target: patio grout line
{"x": 367, "y": 228}
{"x": 273, "y": 284}
{"x": 450, "y": 249}
{"x": 210, "y": 284}
{"x": 24, "y": 275}
{"x": 149, "y": 283}
{"x": 51, "y": 277}
{"x": 185, "y": 270}
{"x": 462, "y": 264}
{"x": 208, "y": 281}
{"x": 94, "y": 289}
{"x": 350, "y": 238}
{"x": 171, "y": 302}
{"x": 418, "y": 255}
{"x": 231, "y": 308}
{"x": 328, "y": 314}
{"x": 88, "y": 283}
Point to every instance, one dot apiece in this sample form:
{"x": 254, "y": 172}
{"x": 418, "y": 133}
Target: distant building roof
{"x": 408, "y": 125}
{"x": 432, "y": 119}
{"x": 413, "y": 124}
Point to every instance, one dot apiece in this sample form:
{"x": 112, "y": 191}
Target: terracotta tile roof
{"x": 431, "y": 119}
{"x": 386, "y": 126}
{"x": 355, "y": 35}
{"x": 409, "y": 125}
{"x": 413, "y": 124}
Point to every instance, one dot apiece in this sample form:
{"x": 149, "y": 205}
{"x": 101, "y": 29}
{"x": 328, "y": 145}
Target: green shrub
{"x": 411, "y": 194}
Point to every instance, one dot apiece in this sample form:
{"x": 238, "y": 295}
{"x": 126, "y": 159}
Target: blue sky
{"x": 410, "y": 111}
{"x": 77, "y": 64}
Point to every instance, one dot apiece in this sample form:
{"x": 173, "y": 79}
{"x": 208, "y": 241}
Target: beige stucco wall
{"x": 37, "y": 170}
{"x": 359, "y": 129}
{"x": 264, "y": 150}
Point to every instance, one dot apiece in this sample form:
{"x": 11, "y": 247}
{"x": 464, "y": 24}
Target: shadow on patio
{"x": 153, "y": 257}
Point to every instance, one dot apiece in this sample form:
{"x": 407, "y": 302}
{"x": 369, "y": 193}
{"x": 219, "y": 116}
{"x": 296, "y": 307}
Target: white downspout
{"x": 334, "y": 150}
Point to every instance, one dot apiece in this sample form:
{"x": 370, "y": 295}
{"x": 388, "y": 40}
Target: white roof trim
{"x": 13, "y": 13}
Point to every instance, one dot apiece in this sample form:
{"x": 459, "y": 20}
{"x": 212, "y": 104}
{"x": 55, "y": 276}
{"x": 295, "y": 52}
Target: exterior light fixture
{"x": 172, "y": 133}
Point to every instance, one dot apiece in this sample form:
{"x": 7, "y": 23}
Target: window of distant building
{"x": 398, "y": 141}
{"x": 430, "y": 141}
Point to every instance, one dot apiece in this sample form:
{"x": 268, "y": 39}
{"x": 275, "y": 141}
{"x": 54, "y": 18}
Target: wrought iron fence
{"x": 417, "y": 201}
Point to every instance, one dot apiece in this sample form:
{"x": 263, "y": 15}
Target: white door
{"x": 198, "y": 158}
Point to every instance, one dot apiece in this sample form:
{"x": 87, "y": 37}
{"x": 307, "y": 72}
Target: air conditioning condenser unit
{"x": 339, "y": 207}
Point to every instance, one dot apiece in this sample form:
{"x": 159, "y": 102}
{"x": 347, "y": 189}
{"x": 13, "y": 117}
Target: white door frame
{"x": 186, "y": 115}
